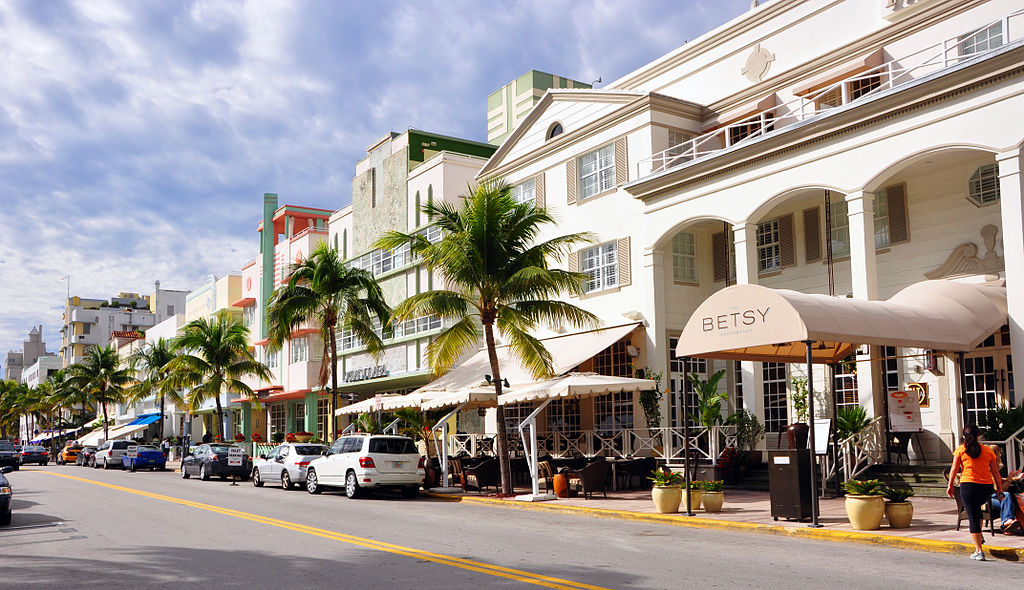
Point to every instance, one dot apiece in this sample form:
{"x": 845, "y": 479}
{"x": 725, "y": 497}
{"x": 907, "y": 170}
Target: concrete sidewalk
{"x": 933, "y": 527}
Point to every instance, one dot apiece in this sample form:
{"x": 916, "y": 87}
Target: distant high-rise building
{"x": 510, "y": 104}
{"x": 31, "y": 349}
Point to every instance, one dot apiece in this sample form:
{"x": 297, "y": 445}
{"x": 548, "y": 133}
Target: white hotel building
{"x": 883, "y": 136}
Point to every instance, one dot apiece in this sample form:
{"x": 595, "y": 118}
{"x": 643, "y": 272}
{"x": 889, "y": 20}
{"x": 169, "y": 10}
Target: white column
{"x": 653, "y": 312}
{"x": 1011, "y": 203}
{"x": 864, "y": 274}
{"x": 745, "y": 245}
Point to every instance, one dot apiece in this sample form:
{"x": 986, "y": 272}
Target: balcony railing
{"x": 852, "y": 89}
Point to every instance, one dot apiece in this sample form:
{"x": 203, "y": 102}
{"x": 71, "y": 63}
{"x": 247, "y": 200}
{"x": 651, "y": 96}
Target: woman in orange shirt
{"x": 978, "y": 468}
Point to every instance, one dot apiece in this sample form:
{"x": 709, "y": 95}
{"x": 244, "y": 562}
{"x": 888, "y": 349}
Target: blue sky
{"x": 136, "y": 138}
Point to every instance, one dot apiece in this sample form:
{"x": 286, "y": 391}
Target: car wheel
{"x": 204, "y": 473}
{"x": 256, "y": 480}
{"x": 312, "y": 484}
{"x": 352, "y": 485}
{"x": 106, "y": 464}
{"x": 410, "y": 492}
{"x": 184, "y": 472}
{"x": 123, "y": 468}
{"x": 132, "y": 467}
{"x": 58, "y": 461}
{"x": 286, "y": 481}
{"x": 45, "y": 463}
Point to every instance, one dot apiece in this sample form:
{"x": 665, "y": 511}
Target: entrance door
{"x": 679, "y": 368}
{"x": 988, "y": 373}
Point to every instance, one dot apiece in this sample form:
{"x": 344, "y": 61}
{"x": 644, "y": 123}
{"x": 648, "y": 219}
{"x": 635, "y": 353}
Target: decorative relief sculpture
{"x": 964, "y": 260}
{"x": 758, "y": 63}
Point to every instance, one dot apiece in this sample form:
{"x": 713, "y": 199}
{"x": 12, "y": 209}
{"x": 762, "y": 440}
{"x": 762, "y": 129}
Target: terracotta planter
{"x": 865, "y": 512}
{"x": 712, "y": 501}
{"x": 303, "y": 438}
{"x": 695, "y": 497}
{"x": 797, "y": 434}
{"x": 667, "y": 498}
{"x": 560, "y": 485}
{"x": 899, "y": 514}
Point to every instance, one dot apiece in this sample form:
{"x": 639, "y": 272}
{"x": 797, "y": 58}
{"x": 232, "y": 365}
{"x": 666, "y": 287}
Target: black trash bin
{"x": 789, "y": 484}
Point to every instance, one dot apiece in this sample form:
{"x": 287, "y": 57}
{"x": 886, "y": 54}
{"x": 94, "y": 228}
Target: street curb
{"x": 934, "y": 546}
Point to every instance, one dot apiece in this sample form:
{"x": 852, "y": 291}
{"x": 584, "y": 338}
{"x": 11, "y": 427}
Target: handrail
{"x": 1013, "y": 449}
{"x": 780, "y": 117}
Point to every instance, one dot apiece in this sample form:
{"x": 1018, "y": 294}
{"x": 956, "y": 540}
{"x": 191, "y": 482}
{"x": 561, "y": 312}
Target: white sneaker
{"x": 978, "y": 556}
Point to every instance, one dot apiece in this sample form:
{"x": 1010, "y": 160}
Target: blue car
{"x": 149, "y": 457}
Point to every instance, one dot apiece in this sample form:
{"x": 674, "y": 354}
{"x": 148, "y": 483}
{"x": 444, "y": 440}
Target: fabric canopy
{"x": 367, "y": 405}
{"x": 125, "y": 430}
{"x": 755, "y": 323}
{"x": 576, "y": 385}
{"x": 146, "y": 419}
{"x": 567, "y": 352}
{"x": 483, "y": 397}
{"x": 91, "y": 438}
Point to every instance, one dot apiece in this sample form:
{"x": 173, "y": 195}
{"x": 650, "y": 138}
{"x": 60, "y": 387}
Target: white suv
{"x": 361, "y": 462}
{"x": 109, "y": 454}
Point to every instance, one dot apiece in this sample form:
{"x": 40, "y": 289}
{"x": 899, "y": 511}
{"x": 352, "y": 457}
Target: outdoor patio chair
{"x": 590, "y": 479}
{"x": 483, "y": 475}
{"x": 454, "y": 471}
{"x": 637, "y": 468}
{"x": 898, "y": 444}
{"x": 546, "y": 473}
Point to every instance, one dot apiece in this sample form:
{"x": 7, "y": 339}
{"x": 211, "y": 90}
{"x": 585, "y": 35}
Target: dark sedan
{"x": 8, "y": 455}
{"x": 34, "y": 454}
{"x": 6, "y": 496}
{"x": 85, "y": 456}
{"x": 210, "y": 460}
{"x": 149, "y": 457}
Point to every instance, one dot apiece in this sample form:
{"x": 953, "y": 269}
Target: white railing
{"x": 1013, "y": 450}
{"x": 856, "y": 454}
{"x": 892, "y": 74}
{"x": 662, "y": 443}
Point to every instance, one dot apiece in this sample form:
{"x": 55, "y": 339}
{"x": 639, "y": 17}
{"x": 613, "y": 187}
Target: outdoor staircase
{"x": 756, "y": 479}
{"x": 925, "y": 480}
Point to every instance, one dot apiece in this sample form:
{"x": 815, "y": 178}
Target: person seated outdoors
{"x": 1005, "y": 507}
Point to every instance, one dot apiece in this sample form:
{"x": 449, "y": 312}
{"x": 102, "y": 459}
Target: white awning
{"x": 755, "y": 323}
{"x": 367, "y": 405}
{"x": 484, "y": 397}
{"x": 125, "y": 431}
{"x": 568, "y": 351}
{"x": 92, "y": 438}
{"x": 576, "y": 385}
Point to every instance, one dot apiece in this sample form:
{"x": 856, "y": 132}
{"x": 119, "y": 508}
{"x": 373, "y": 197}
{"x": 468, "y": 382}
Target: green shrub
{"x": 277, "y": 438}
{"x": 896, "y": 494}
{"x": 851, "y": 421}
{"x": 663, "y": 478}
{"x": 864, "y": 487}
{"x": 712, "y": 486}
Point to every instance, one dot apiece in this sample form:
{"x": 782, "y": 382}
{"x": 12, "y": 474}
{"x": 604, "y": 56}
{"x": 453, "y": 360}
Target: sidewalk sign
{"x": 822, "y": 429}
{"x": 133, "y": 451}
{"x": 904, "y": 411}
{"x": 235, "y": 456}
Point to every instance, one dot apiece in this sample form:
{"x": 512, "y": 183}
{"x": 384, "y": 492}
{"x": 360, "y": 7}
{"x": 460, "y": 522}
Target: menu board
{"x": 904, "y": 411}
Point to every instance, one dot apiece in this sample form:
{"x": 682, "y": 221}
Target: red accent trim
{"x": 244, "y": 302}
{"x": 263, "y": 342}
{"x": 304, "y": 332}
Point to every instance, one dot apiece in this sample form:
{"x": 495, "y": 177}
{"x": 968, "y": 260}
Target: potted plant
{"x": 239, "y": 437}
{"x": 898, "y": 511}
{"x": 864, "y": 504}
{"x": 749, "y": 431}
{"x": 709, "y": 405}
{"x": 303, "y": 436}
{"x": 277, "y": 438}
{"x": 666, "y": 491}
{"x": 696, "y": 494}
{"x": 797, "y": 432}
{"x": 256, "y": 437}
{"x": 712, "y": 495}
{"x": 290, "y": 437}
{"x": 850, "y": 421}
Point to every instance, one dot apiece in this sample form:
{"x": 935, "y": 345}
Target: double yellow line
{"x": 458, "y": 562}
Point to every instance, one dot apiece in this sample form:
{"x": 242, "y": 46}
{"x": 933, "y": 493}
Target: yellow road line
{"x": 458, "y": 562}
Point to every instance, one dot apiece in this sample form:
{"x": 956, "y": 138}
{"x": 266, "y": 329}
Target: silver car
{"x": 286, "y": 464}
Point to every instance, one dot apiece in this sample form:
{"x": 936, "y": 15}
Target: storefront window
{"x": 564, "y": 417}
{"x": 300, "y": 417}
{"x": 515, "y": 414}
{"x": 323, "y": 408}
{"x": 614, "y": 361}
{"x": 774, "y": 384}
{"x": 613, "y": 412}
{"x": 844, "y": 383}
{"x": 277, "y": 418}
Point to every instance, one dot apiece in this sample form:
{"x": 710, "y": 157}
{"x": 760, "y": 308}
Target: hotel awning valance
{"x": 483, "y": 397}
{"x": 755, "y": 323}
{"x": 576, "y": 385}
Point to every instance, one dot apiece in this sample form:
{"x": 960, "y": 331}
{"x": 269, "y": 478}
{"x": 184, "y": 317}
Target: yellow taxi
{"x": 68, "y": 454}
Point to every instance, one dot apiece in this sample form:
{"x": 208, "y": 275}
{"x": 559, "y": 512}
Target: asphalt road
{"x": 79, "y": 528}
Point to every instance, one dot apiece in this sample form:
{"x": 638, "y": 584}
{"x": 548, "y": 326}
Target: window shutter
{"x": 812, "y": 235}
{"x": 621, "y": 162}
{"x": 574, "y": 261}
{"x": 720, "y": 255}
{"x": 899, "y": 228}
{"x": 538, "y": 191}
{"x": 622, "y": 257}
{"x": 570, "y": 182}
{"x": 787, "y": 241}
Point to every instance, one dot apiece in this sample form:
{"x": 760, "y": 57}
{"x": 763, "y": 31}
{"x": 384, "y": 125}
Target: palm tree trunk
{"x": 220, "y": 418}
{"x": 106, "y": 432}
{"x": 333, "y": 421}
{"x": 161, "y": 418}
{"x": 502, "y": 450}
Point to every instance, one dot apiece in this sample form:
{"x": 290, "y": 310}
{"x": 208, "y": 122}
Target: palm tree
{"x": 321, "y": 290}
{"x": 102, "y": 378}
{"x": 498, "y": 276}
{"x": 212, "y": 359}
{"x": 150, "y": 363}
{"x": 10, "y": 414}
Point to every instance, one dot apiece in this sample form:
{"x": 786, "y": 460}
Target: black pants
{"x": 974, "y": 496}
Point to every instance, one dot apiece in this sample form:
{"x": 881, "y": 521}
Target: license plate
{"x": 397, "y": 464}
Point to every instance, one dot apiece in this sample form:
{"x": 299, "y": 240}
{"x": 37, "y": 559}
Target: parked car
{"x": 285, "y": 464}
{"x": 6, "y": 496}
{"x": 211, "y": 459}
{"x": 8, "y": 455}
{"x": 109, "y": 454}
{"x": 34, "y": 454}
{"x": 69, "y": 454}
{"x": 85, "y": 456}
{"x": 150, "y": 457}
{"x": 363, "y": 462}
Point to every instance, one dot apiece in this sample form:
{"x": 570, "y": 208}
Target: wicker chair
{"x": 590, "y": 479}
{"x": 485, "y": 474}
{"x": 546, "y": 473}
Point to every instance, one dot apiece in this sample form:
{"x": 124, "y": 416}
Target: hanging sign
{"x": 904, "y": 411}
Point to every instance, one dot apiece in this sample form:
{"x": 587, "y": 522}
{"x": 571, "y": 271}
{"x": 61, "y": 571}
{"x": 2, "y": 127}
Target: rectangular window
{"x": 830, "y": 99}
{"x": 271, "y": 358}
{"x": 840, "y": 232}
{"x": 844, "y": 383}
{"x": 881, "y": 212}
{"x": 277, "y": 418}
{"x": 768, "y": 257}
{"x": 323, "y": 408}
{"x": 300, "y": 417}
{"x": 614, "y": 361}
{"x": 170, "y": 310}
{"x": 676, "y": 139}
{"x": 774, "y": 389}
{"x": 984, "y": 40}
{"x": 613, "y": 412}
{"x": 564, "y": 417}
{"x": 597, "y": 172}
{"x": 737, "y": 372}
{"x": 890, "y": 369}
{"x": 525, "y": 192}
{"x": 515, "y": 414}
{"x": 299, "y": 349}
{"x": 86, "y": 328}
{"x": 684, "y": 257}
{"x": 752, "y": 127}
{"x": 601, "y": 266}
{"x": 862, "y": 85}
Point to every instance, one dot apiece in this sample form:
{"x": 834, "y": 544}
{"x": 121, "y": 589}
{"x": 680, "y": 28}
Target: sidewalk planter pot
{"x": 797, "y": 434}
{"x": 304, "y": 438}
{"x": 560, "y": 485}
{"x": 899, "y": 514}
{"x": 695, "y": 498}
{"x": 865, "y": 512}
{"x": 667, "y": 498}
{"x": 712, "y": 501}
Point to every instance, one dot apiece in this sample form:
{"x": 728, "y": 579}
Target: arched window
{"x": 555, "y": 129}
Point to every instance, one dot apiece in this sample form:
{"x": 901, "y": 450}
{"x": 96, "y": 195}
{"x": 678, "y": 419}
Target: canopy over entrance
{"x": 576, "y": 385}
{"x": 755, "y": 323}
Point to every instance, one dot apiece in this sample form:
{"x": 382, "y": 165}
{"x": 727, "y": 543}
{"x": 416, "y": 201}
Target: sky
{"x": 137, "y": 137}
